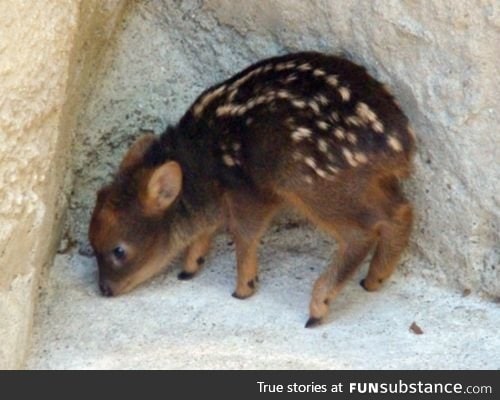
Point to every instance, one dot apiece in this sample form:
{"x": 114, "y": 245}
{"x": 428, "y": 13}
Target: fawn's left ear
{"x": 136, "y": 152}
{"x": 163, "y": 187}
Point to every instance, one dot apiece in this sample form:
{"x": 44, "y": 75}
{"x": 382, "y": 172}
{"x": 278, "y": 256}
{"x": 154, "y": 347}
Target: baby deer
{"x": 308, "y": 130}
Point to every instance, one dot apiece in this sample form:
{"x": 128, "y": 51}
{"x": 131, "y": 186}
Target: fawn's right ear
{"x": 162, "y": 188}
{"x": 136, "y": 152}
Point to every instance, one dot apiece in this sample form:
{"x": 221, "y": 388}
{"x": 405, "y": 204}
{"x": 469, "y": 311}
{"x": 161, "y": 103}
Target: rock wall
{"x": 439, "y": 58}
{"x": 47, "y": 50}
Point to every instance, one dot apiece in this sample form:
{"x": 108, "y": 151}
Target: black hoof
{"x": 362, "y": 283}
{"x": 185, "y": 276}
{"x": 312, "y": 322}
{"x": 237, "y": 296}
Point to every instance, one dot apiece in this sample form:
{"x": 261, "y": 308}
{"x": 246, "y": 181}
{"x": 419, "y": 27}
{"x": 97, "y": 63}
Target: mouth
{"x": 109, "y": 288}
{"x": 105, "y": 289}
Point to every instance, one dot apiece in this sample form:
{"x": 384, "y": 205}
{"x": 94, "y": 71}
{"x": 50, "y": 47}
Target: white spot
{"x": 228, "y": 160}
{"x": 349, "y": 157}
{"x": 283, "y": 94}
{"x": 251, "y": 103}
{"x": 308, "y": 179}
{"x": 353, "y": 121}
{"x": 260, "y": 100}
{"x": 335, "y": 116}
{"x": 285, "y": 65}
{"x": 271, "y": 95}
{"x": 301, "y": 133}
{"x": 351, "y": 137}
{"x": 322, "y": 145}
{"x": 226, "y": 109}
{"x": 304, "y": 67}
{"x": 368, "y": 115}
{"x": 290, "y": 78}
{"x": 297, "y": 156}
{"x": 314, "y": 106}
{"x": 299, "y": 103}
{"x": 236, "y": 146}
{"x": 246, "y": 77}
{"x": 280, "y": 67}
{"x": 360, "y": 157}
{"x": 345, "y": 93}
{"x": 240, "y": 110}
{"x": 322, "y": 125}
{"x": 310, "y": 162}
{"x": 365, "y": 112}
{"x": 319, "y": 72}
{"x": 339, "y": 133}
{"x": 233, "y": 94}
{"x": 332, "y": 169}
{"x": 321, "y": 99}
{"x": 332, "y": 80}
{"x": 394, "y": 143}
{"x": 249, "y": 121}
{"x": 378, "y": 127}
{"x": 320, "y": 172}
{"x": 207, "y": 99}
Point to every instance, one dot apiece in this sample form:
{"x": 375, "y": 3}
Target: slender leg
{"x": 248, "y": 221}
{"x": 354, "y": 245}
{"x": 393, "y": 238}
{"x": 196, "y": 253}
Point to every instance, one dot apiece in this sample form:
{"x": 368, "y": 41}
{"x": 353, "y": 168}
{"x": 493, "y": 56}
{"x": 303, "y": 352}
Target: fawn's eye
{"x": 119, "y": 253}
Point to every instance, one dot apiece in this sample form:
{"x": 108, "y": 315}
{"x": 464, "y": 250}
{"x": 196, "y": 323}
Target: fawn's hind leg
{"x": 393, "y": 238}
{"x": 248, "y": 221}
{"x": 354, "y": 245}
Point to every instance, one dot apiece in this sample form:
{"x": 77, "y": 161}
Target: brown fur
{"x": 247, "y": 148}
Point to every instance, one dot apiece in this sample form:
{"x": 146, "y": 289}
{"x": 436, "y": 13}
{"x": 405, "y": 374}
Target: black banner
{"x": 257, "y": 384}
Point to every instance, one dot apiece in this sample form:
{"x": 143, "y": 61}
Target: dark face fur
{"x": 130, "y": 230}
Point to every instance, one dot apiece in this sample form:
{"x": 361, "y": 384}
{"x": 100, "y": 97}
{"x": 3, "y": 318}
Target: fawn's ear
{"x": 162, "y": 188}
{"x": 135, "y": 154}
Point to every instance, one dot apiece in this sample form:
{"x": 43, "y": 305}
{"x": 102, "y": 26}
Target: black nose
{"x": 105, "y": 289}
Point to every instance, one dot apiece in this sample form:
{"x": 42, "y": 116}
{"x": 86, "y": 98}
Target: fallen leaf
{"x": 416, "y": 329}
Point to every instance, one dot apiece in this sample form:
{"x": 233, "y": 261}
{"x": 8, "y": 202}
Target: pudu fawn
{"x": 308, "y": 130}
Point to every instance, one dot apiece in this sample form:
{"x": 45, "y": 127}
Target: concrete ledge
{"x": 196, "y": 324}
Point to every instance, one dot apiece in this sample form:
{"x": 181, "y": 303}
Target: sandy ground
{"x": 172, "y": 324}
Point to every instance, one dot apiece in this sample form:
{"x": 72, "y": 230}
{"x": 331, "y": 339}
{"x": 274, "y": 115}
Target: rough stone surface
{"x": 439, "y": 58}
{"x": 196, "y": 324}
{"x": 32, "y": 88}
{"x": 42, "y": 53}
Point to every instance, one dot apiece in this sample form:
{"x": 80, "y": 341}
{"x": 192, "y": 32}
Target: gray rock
{"x": 439, "y": 58}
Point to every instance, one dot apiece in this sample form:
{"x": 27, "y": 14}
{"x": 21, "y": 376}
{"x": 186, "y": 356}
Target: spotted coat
{"x": 326, "y": 109}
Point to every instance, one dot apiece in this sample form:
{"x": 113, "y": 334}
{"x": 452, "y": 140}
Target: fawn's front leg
{"x": 196, "y": 254}
{"x": 248, "y": 218}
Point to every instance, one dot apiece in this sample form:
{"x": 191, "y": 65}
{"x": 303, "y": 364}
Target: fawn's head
{"x": 130, "y": 230}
